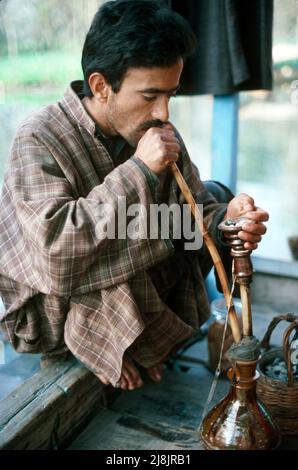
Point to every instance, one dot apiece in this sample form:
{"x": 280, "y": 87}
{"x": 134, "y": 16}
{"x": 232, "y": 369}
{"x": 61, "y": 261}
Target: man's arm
{"x": 62, "y": 250}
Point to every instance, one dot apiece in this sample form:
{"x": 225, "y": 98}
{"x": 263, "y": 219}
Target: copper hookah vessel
{"x": 240, "y": 421}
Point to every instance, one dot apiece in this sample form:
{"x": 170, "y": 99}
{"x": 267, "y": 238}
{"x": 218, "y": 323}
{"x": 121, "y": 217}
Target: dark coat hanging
{"x": 234, "y": 50}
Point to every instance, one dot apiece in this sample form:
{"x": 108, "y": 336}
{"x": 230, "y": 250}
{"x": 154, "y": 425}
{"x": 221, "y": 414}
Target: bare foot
{"x": 155, "y": 373}
{"x": 130, "y": 377}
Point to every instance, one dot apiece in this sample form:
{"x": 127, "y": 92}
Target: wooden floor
{"x": 163, "y": 416}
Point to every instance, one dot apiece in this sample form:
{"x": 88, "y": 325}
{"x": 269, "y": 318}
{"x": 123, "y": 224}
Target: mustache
{"x": 153, "y": 123}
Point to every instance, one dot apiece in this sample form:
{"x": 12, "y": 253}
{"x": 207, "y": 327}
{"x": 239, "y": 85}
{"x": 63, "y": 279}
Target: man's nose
{"x": 161, "y": 109}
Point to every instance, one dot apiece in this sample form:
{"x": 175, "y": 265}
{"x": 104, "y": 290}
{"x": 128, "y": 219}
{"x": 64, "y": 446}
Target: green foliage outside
{"x": 36, "y": 69}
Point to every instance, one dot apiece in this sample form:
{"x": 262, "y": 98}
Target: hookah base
{"x": 225, "y": 429}
{"x": 240, "y": 421}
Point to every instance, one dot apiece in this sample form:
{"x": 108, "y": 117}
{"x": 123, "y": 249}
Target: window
{"x": 268, "y": 138}
{"x": 192, "y": 115}
{"x": 40, "y": 53}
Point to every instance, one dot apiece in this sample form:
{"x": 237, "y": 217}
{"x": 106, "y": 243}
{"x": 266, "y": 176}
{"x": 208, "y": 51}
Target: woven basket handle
{"x": 287, "y": 350}
{"x": 265, "y": 343}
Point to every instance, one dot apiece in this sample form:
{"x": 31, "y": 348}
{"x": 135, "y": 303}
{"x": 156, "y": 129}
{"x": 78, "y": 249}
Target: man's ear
{"x": 99, "y": 86}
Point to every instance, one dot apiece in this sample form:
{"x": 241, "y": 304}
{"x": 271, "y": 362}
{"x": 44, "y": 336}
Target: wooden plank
{"x": 49, "y": 408}
{"x": 24, "y": 395}
{"x": 16, "y": 371}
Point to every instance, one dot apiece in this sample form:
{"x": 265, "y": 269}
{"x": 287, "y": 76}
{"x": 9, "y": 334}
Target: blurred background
{"x": 40, "y": 53}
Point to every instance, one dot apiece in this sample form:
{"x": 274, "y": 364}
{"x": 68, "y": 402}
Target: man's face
{"x": 143, "y": 101}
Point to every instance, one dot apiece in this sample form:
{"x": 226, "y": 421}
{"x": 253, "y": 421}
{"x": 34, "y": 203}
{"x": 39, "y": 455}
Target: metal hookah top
{"x": 243, "y": 268}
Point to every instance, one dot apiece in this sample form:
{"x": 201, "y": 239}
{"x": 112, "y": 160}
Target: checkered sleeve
{"x": 66, "y": 240}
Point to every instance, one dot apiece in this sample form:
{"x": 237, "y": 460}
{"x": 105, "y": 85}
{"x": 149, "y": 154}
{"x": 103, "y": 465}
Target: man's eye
{"x": 153, "y": 97}
{"x": 149, "y": 98}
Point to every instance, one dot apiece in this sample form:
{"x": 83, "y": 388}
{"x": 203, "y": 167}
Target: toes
{"x": 155, "y": 373}
{"x": 123, "y": 383}
{"x": 131, "y": 375}
{"x": 103, "y": 379}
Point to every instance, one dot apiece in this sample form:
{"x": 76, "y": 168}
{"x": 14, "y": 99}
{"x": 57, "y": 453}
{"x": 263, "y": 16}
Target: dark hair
{"x": 134, "y": 33}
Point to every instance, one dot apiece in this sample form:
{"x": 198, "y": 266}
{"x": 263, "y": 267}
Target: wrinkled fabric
{"x": 63, "y": 286}
{"x": 234, "y": 50}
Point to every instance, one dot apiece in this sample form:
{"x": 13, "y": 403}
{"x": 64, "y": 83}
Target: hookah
{"x": 239, "y": 421}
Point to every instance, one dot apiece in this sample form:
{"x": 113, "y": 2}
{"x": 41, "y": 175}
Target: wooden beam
{"x": 49, "y": 409}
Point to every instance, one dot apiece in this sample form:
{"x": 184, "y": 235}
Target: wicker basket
{"x": 280, "y": 398}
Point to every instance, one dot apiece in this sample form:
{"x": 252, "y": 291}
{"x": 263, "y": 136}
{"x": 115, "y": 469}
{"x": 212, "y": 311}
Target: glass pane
{"x": 40, "y": 54}
{"x": 268, "y": 138}
{"x": 192, "y": 115}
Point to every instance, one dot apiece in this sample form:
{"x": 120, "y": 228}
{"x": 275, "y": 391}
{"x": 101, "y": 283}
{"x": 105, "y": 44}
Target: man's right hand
{"x": 158, "y": 147}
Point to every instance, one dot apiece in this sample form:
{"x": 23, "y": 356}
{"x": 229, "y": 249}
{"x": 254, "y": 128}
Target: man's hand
{"x": 251, "y": 233}
{"x": 158, "y": 147}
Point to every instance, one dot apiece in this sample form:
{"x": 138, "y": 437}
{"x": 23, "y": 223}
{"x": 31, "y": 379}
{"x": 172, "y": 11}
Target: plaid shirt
{"x": 62, "y": 286}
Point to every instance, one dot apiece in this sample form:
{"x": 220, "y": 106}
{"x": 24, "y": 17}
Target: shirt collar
{"x": 73, "y": 106}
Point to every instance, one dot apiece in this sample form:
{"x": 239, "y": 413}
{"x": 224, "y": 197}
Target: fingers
{"x": 250, "y": 246}
{"x": 168, "y": 135}
{"x": 249, "y": 237}
{"x": 168, "y": 125}
{"x": 256, "y": 229}
{"x": 252, "y": 233}
{"x": 171, "y": 158}
{"x": 158, "y": 147}
{"x": 246, "y": 203}
{"x": 259, "y": 215}
{"x": 173, "y": 147}
{"x": 240, "y": 205}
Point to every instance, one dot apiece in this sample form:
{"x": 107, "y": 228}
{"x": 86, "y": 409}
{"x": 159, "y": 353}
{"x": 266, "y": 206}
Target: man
{"x": 113, "y": 302}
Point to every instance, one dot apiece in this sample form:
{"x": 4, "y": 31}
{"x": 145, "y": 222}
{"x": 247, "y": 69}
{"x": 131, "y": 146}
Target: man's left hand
{"x": 244, "y": 206}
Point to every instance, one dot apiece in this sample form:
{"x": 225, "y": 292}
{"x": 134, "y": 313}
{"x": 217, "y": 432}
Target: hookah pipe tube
{"x": 212, "y": 250}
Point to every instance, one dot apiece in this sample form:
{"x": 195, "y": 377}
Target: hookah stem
{"x": 218, "y": 369}
{"x": 212, "y": 250}
{"x": 246, "y": 309}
